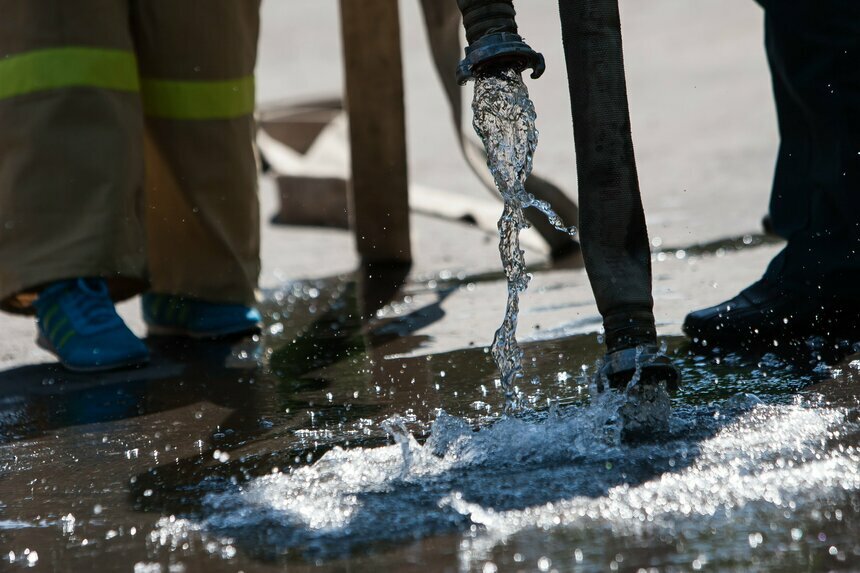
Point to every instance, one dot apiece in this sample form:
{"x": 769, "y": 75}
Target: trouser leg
{"x": 197, "y": 61}
{"x": 814, "y": 54}
{"x": 71, "y": 166}
{"x": 789, "y": 200}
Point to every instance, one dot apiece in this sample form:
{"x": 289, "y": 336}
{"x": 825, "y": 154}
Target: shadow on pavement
{"x": 326, "y": 378}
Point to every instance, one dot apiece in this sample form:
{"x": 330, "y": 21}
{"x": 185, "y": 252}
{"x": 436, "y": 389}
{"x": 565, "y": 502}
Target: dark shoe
{"x": 78, "y": 322}
{"x": 765, "y": 315}
{"x": 170, "y": 315}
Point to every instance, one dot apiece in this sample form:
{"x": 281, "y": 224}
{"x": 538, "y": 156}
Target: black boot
{"x": 811, "y": 288}
{"x": 766, "y": 315}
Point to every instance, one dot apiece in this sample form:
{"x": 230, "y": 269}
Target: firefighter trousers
{"x": 126, "y": 147}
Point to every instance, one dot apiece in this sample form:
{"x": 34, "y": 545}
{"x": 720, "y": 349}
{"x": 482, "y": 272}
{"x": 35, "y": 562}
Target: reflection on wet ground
{"x": 335, "y": 441}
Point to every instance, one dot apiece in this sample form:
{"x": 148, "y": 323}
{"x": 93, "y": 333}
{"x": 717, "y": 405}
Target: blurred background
{"x": 702, "y": 110}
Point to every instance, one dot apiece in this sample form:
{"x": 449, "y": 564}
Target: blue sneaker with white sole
{"x": 78, "y": 322}
{"x": 174, "y": 315}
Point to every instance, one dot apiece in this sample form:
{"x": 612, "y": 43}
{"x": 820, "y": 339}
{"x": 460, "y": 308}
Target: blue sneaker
{"x": 173, "y": 315}
{"x": 77, "y": 321}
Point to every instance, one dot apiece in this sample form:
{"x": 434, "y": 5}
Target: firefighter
{"x": 127, "y": 166}
{"x": 812, "y": 286}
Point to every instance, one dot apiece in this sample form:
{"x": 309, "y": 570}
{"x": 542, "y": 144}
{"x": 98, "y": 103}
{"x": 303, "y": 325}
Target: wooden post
{"x": 378, "y": 198}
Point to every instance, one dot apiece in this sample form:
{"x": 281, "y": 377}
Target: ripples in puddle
{"x": 742, "y": 481}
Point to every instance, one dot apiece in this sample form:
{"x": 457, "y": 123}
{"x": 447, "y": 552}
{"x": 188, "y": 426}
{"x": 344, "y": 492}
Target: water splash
{"x": 738, "y": 466}
{"x": 646, "y": 408}
{"x": 504, "y": 118}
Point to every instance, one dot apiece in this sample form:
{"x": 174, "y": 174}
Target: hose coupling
{"x": 503, "y": 50}
{"x": 648, "y": 362}
{"x": 494, "y": 41}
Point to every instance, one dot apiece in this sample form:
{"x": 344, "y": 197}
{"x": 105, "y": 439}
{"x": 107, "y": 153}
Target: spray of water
{"x": 504, "y": 118}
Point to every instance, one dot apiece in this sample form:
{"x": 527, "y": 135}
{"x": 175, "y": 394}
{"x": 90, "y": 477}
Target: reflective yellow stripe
{"x": 46, "y": 320}
{"x": 65, "y": 339}
{"x": 199, "y": 99}
{"x": 52, "y": 335}
{"x": 56, "y": 68}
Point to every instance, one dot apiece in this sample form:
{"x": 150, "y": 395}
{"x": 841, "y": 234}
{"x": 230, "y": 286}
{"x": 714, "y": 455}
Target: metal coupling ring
{"x": 503, "y": 49}
{"x": 654, "y": 367}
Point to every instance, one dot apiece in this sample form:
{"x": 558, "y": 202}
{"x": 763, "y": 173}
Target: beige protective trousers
{"x": 126, "y": 147}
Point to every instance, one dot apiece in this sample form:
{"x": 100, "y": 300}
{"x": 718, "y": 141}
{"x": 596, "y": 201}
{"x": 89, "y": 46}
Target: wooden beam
{"x": 378, "y": 199}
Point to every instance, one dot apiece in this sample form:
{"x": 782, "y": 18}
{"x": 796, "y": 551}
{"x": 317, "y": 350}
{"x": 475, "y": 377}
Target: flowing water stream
{"x": 212, "y": 462}
{"x": 336, "y": 444}
{"x": 504, "y": 118}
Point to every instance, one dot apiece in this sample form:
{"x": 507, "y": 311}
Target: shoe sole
{"x": 159, "y": 330}
{"x": 45, "y": 344}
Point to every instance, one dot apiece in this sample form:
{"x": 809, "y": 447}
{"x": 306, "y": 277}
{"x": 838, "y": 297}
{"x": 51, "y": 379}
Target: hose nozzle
{"x": 494, "y": 43}
{"x": 503, "y": 50}
{"x": 647, "y": 362}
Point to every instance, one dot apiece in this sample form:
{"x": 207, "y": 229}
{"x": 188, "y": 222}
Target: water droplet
{"x": 755, "y": 539}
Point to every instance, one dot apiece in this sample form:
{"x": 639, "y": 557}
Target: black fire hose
{"x": 613, "y": 232}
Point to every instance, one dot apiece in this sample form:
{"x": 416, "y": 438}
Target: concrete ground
{"x": 706, "y": 139}
{"x": 95, "y": 470}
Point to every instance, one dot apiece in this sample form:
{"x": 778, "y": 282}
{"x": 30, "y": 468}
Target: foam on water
{"x": 741, "y": 465}
{"x": 567, "y": 472}
{"x": 767, "y": 472}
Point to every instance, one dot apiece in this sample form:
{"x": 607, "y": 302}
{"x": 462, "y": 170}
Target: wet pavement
{"x": 340, "y": 440}
{"x": 362, "y": 431}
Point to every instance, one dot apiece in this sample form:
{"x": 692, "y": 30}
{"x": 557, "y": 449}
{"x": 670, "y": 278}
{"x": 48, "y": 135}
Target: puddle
{"x": 322, "y": 446}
